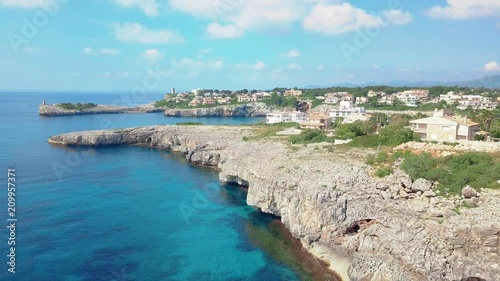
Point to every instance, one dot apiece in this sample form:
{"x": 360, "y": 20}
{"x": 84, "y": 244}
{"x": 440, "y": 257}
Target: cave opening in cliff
{"x": 356, "y": 227}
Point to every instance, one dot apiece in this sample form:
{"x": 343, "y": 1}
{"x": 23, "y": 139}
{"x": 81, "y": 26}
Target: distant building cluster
{"x": 469, "y": 101}
{"x": 253, "y": 97}
{"x": 307, "y": 121}
{"x": 198, "y": 97}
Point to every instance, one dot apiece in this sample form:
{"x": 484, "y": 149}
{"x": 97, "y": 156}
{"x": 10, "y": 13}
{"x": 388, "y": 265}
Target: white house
{"x": 346, "y": 109}
{"x": 297, "y": 117}
{"x": 407, "y": 98}
{"x": 450, "y": 97}
{"x": 331, "y": 99}
{"x": 443, "y": 126}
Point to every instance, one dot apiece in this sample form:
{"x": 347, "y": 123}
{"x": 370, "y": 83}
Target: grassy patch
{"x": 477, "y": 169}
{"x": 310, "y": 136}
{"x": 189, "y": 124}
{"x": 76, "y": 106}
{"x": 365, "y": 141}
{"x": 269, "y": 130}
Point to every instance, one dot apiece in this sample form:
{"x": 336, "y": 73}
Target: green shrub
{"x": 382, "y": 157}
{"x": 479, "y": 137}
{"x": 310, "y": 136}
{"x": 383, "y": 172}
{"x": 394, "y": 137}
{"x": 400, "y": 154}
{"x": 352, "y": 130}
{"x": 244, "y": 138}
{"x": 477, "y": 169}
{"x": 365, "y": 141}
{"x": 417, "y": 166}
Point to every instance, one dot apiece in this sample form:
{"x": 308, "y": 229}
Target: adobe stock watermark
{"x": 31, "y": 26}
{"x": 199, "y": 202}
{"x": 223, "y": 8}
{"x": 151, "y": 81}
{"x": 364, "y": 37}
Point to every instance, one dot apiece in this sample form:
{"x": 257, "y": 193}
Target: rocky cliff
{"x": 391, "y": 228}
{"x": 54, "y": 110}
{"x": 257, "y": 109}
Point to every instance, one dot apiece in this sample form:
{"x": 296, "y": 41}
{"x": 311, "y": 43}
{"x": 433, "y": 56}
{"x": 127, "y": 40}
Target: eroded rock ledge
{"x": 54, "y": 110}
{"x": 331, "y": 199}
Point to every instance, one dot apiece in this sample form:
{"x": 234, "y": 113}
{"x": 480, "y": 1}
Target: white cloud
{"x": 104, "y": 51}
{"x": 257, "y": 66}
{"x": 218, "y": 64}
{"x": 492, "y": 66}
{"x": 465, "y": 9}
{"x": 198, "y": 64}
{"x": 25, "y": 3}
{"x": 198, "y": 8}
{"x": 320, "y": 67}
{"x": 218, "y": 31}
{"x": 397, "y": 17}
{"x": 152, "y": 55}
{"x": 291, "y": 54}
{"x": 88, "y": 51}
{"x": 150, "y": 7}
{"x": 498, "y": 25}
{"x": 232, "y": 18}
{"x": 111, "y": 52}
{"x": 294, "y": 66}
{"x": 342, "y": 18}
{"x": 134, "y": 32}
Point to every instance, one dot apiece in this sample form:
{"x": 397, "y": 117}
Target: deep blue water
{"x": 128, "y": 213}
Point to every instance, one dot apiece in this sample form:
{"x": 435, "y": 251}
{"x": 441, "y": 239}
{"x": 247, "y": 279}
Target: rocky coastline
{"x": 387, "y": 229}
{"x": 256, "y": 109}
{"x": 54, "y": 110}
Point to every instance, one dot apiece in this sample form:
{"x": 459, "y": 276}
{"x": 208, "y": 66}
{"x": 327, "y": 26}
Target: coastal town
{"x": 444, "y": 116}
{"x": 374, "y": 160}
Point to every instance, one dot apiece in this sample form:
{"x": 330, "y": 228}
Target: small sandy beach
{"x": 338, "y": 262}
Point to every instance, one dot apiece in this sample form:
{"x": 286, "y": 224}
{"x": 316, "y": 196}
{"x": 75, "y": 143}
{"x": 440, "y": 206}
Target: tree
{"x": 486, "y": 118}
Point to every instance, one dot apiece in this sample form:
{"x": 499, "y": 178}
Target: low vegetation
{"x": 76, "y": 106}
{"x": 310, "y": 136}
{"x": 189, "y": 124}
{"x": 264, "y": 130}
{"x": 452, "y": 173}
{"x": 477, "y": 169}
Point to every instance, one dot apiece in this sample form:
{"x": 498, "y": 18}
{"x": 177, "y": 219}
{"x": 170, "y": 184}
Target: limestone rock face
{"x": 330, "y": 198}
{"x": 256, "y": 109}
{"x": 469, "y": 192}
{"x": 422, "y": 185}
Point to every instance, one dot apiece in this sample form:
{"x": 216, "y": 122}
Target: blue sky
{"x": 106, "y": 45}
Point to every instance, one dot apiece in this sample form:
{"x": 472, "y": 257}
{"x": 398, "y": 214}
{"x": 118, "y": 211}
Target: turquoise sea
{"x": 128, "y": 213}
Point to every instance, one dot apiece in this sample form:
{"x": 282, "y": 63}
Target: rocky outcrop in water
{"x": 257, "y": 109}
{"x": 387, "y": 227}
{"x": 55, "y": 110}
